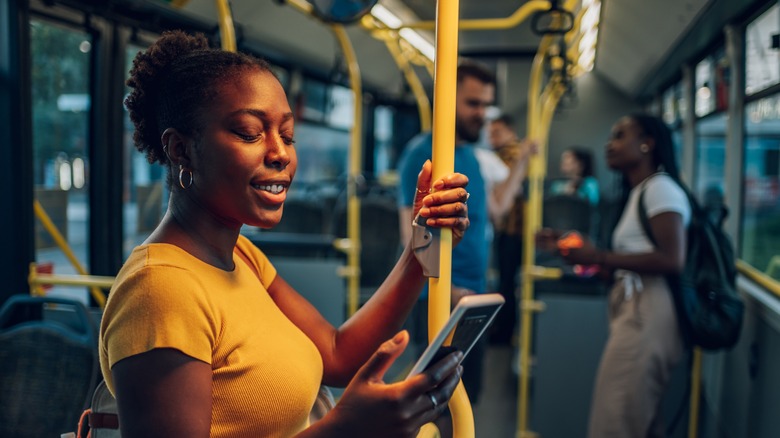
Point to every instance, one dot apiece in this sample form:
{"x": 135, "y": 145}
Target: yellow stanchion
{"x": 541, "y": 106}
{"x": 513, "y": 20}
{"x": 533, "y": 210}
{"x": 693, "y": 417}
{"x": 47, "y": 223}
{"x": 445, "y": 86}
{"x": 355, "y": 169}
{"x": 227, "y": 31}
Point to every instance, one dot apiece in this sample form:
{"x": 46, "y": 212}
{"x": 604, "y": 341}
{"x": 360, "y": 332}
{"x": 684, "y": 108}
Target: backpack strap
{"x": 643, "y": 219}
{"x": 642, "y": 210}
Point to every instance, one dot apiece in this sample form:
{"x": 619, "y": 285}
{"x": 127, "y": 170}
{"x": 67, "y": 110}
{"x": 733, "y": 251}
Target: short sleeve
{"x": 264, "y": 267}
{"x": 159, "y": 307}
{"x": 663, "y": 195}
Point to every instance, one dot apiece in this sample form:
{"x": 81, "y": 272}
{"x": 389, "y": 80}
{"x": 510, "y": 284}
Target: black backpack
{"x": 708, "y": 307}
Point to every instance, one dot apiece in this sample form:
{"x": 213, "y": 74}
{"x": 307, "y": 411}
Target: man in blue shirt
{"x": 475, "y": 92}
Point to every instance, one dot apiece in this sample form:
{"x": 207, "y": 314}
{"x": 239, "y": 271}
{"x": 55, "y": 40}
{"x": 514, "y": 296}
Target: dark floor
{"x": 496, "y": 413}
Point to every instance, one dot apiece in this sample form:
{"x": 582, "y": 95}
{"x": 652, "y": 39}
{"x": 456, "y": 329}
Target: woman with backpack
{"x": 645, "y": 342}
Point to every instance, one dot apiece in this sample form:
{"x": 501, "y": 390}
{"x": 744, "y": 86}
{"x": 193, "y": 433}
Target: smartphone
{"x": 467, "y": 322}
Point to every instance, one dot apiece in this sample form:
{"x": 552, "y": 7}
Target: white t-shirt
{"x": 492, "y": 168}
{"x": 662, "y": 195}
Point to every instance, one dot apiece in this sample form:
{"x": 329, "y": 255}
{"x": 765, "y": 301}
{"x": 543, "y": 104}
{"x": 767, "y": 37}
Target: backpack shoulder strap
{"x": 643, "y": 219}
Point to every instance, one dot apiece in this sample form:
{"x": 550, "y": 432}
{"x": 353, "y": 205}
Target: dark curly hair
{"x": 171, "y": 83}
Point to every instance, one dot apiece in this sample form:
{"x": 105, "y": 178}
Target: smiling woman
{"x": 200, "y": 336}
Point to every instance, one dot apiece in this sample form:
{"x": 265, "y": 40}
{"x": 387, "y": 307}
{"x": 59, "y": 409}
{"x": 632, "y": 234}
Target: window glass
{"x": 713, "y": 78}
{"x": 762, "y": 61}
{"x": 341, "y": 108}
{"x": 60, "y": 73}
{"x": 383, "y": 139}
{"x": 314, "y": 100}
{"x": 677, "y": 138}
{"x": 322, "y": 154}
{"x": 145, "y": 189}
{"x": 760, "y": 240}
{"x": 721, "y": 67}
{"x": 670, "y": 114}
{"x": 704, "y": 97}
{"x": 710, "y": 157}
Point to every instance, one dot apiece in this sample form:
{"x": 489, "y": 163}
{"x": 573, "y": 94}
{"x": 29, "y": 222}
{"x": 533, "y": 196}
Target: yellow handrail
{"x": 693, "y": 417}
{"x": 420, "y": 96}
{"x": 37, "y": 279}
{"x": 444, "y": 93}
{"x": 758, "y": 277}
{"x": 355, "y": 168}
{"x": 541, "y": 107}
{"x": 47, "y": 223}
{"x": 513, "y": 20}
{"x": 227, "y": 31}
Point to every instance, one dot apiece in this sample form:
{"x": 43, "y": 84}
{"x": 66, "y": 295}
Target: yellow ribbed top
{"x": 266, "y": 372}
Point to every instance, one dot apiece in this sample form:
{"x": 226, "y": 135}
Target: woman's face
{"x": 245, "y": 160}
{"x": 624, "y": 146}
{"x": 570, "y": 166}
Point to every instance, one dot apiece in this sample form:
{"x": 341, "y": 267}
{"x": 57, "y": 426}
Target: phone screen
{"x": 469, "y": 322}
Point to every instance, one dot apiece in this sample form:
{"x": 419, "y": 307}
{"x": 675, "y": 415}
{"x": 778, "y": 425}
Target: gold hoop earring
{"x": 181, "y": 178}
{"x": 644, "y": 148}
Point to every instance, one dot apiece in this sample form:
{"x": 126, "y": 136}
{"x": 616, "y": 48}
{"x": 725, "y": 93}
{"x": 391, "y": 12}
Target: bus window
{"x": 761, "y": 199}
{"x": 761, "y": 67}
{"x": 710, "y": 155}
{"x": 60, "y": 67}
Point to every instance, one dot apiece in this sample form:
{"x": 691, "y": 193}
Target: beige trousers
{"x": 643, "y": 347}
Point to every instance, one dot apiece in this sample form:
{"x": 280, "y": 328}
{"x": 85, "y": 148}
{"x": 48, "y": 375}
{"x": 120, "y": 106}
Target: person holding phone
{"x": 200, "y": 336}
{"x": 645, "y": 342}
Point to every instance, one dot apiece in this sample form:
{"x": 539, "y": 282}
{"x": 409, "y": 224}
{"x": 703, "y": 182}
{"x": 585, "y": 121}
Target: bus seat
{"x": 379, "y": 234}
{"x": 566, "y": 212}
{"x": 48, "y": 370}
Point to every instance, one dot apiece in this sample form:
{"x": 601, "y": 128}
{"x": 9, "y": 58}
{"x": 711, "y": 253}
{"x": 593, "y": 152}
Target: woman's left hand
{"x": 444, "y": 204}
{"x": 588, "y": 254}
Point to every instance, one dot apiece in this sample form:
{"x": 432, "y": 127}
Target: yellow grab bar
{"x": 444, "y": 94}
{"x": 513, "y": 20}
{"x": 355, "y": 169}
{"x": 420, "y": 96}
{"x": 227, "y": 31}
{"x": 758, "y": 277}
{"x": 37, "y": 279}
{"x": 96, "y": 293}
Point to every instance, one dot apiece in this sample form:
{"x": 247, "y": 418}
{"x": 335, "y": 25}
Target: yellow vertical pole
{"x": 227, "y": 32}
{"x": 445, "y": 85}
{"x": 531, "y": 224}
{"x": 693, "y": 418}
{"x": 355, "y": 169}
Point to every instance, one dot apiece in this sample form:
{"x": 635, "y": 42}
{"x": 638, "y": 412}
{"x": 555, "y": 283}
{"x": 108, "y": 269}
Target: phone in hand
{"x": 466, "y": 324}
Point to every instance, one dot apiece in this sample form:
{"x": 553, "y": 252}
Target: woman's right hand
{"x": 371, "y": 407}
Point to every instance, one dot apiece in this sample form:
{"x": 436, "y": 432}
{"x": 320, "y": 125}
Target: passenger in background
{"x": 577, "y": 167}
{"x": 644, "y": 342}
{"x": 507, "y": 212}
{"x": 200, "y": 336}
{"x": 475, "y": 92}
